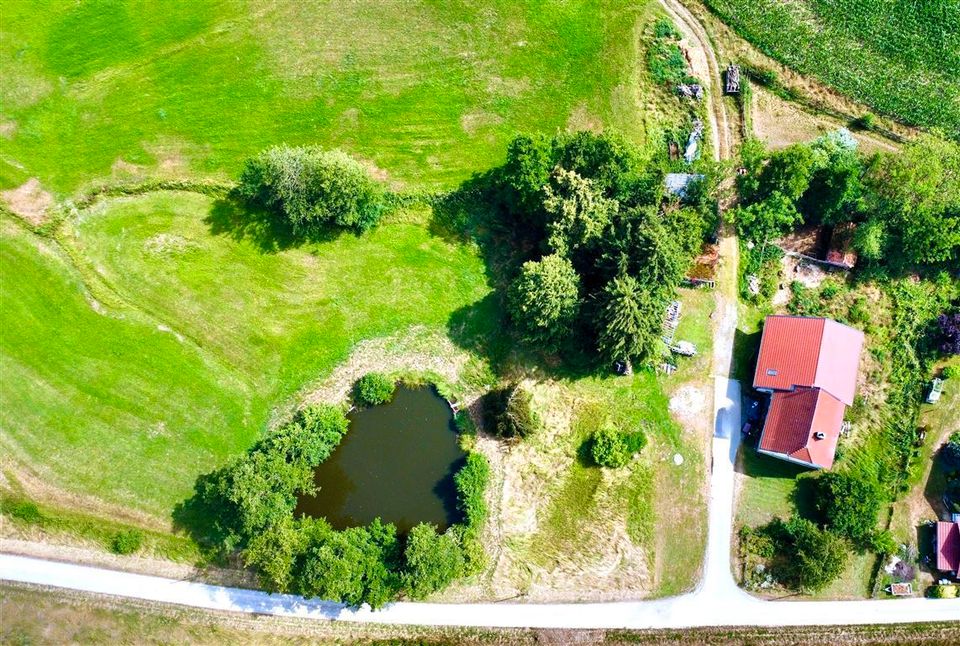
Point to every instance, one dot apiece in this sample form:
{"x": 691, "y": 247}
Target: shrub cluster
{"x": 906, "y": 205}
{"x": 849, "y": 505}
{"x": 664, "y": 58}
{"x": 312, "y": 188}
{"x": 247, "y": 508}
{"x": 798, "y": 553}
{"x": 126, "y": 541}
{"x": 612, "y": 448}
{"x": 373, "y": 388}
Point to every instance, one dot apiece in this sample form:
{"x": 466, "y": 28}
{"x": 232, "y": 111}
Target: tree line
{"x": 906, "y": 204}
{"x": 598, "y": 247}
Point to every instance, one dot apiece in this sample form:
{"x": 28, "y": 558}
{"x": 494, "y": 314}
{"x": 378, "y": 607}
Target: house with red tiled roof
{"x": 809, "y": 366}
{"x": 947, "y": 546}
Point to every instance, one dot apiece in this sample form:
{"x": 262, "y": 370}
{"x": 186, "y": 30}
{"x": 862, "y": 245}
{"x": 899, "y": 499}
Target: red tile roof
{"x": 811, "y": 365}
{"x": 948, "y": 546}
{"x": 793, "y": 422}
{"x": 798, "y": 351}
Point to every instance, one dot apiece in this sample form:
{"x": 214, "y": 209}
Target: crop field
{"x": 426, "y": 92}
{"x": 900, "y": 57}
{"x": 198, "y": 336}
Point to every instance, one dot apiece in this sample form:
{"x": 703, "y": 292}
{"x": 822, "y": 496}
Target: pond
{"x": 396, "y": 462}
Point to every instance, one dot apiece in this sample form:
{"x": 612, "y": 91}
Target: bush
{"x": 312, "y": 188}
{"x": 126, "y": 541}
{"x": 471, "y": 482}
{"x": 509, "y": 413}
{"x": 866, "y": 121}
{"x": 25, "y": 511}
{"x": 635, "y": 441}
{"x": 373, "y": 388}
{"x": 859, "y": 312}
{"x": 757, "y": 542}
{"x": 945, "y": 591}
{"x": 849, "y": 505}
{"x": 432, "y": 561}
{"x": 883, "y": 543}
{"x": 830, "y": 290}
{"x": 608, "y": 448}
{"x": 813, "y": 557}
{"x": 951, "y": 372}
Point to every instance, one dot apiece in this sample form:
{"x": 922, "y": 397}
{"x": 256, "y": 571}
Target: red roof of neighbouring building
{"x": 948, "y": 546}
{"x": 811, "y": 365}
{"x": 794, "y": 421}
{"x": 801, "y": 351}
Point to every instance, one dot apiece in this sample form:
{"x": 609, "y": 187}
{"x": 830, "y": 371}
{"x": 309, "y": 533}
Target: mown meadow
{"x": 901, "y": 58}
{"x": 426, "y": 91}
{"x": 198, "y": 336}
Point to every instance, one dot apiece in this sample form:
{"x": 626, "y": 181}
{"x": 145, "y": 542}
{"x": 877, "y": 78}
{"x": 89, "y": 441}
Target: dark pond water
{"x": 396, "y": 462}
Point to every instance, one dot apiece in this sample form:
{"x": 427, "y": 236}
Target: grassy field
{"x": 902, "y": 58}
{"x": 426, "y": 91}
{"x": 208, "y": 335}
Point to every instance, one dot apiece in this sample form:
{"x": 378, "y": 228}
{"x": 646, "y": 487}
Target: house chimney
{"x": 819, "y": 435}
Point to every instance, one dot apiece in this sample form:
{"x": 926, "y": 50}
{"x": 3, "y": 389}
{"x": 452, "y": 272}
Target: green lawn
{"x": 768, "y": 489}
{"x": 902, "y": 58}
{"x": 427, "y": 91}
{"x": 112, "y": 404}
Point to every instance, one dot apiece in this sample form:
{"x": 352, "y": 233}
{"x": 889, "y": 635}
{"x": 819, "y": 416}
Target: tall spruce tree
{"x": 629, "y": 321}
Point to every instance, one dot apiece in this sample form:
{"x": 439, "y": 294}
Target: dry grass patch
{"x": 779, "y": 123}
{"x": 29, "y": 201}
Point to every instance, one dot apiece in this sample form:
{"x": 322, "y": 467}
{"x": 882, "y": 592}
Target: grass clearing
{"x": 768, "y": 490}
{"x": 210, "y": 335}
{"x": 427, "y": 92}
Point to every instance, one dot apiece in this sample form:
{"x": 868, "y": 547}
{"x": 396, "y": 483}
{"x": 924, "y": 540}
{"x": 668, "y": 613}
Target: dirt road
{"x": 703, "y": 60}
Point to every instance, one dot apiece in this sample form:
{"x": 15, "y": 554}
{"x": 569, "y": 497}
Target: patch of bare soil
{"x": 29, "y": 201}
{"x": 688, "y": 404}
{"x": 475, "y": 122}
{"x": 582, "y": 119}
{"x": 7, "y": 129}
{"x": 779, "y": 123}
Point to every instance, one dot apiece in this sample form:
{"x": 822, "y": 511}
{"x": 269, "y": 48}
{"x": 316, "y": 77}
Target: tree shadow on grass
{"x": 746, "y": 347}
{"x": 239, "y": 221}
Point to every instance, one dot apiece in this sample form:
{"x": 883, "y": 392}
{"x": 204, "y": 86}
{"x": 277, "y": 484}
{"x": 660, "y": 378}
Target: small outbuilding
{"x": 840, "y": 252}
{"x": 677, "y": 183}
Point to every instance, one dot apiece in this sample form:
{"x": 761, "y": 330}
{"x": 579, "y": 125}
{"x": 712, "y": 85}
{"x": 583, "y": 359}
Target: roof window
{"x": 771, "y": 372}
